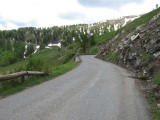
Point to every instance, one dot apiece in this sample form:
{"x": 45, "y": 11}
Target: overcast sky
{"x": 48, "y": 13}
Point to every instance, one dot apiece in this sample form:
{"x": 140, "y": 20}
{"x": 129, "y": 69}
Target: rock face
{"x": 158, "y": 105}
{"x": 138, "y": 50}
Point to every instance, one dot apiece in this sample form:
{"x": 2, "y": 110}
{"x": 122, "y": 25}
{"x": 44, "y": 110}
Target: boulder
{"x": 158, "y": 105}
{"x": 137, "y": 63}
{"x": 157, "y": 41}
{"x": 157, "y": 55}
{"x": 157, "y": 95}
{"x": 77, "y": 59}
{"x": 134, "y": 37}
{"x": 154, "y": 48}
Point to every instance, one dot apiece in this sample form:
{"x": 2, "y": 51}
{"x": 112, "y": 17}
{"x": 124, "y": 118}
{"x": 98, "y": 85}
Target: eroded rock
{"x": 158, "y": 105}
{"x": 138, "y": 50}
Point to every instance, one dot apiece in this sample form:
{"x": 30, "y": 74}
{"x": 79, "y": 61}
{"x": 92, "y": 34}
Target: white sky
{"x": 48, "y": 13}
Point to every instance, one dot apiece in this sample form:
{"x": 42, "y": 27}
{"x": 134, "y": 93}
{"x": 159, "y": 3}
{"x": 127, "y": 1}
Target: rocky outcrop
{"x": 138, "y": 50}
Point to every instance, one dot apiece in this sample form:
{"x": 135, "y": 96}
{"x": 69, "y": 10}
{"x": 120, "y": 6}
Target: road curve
{"x": 95, "y": 90}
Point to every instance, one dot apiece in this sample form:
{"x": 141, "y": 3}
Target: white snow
{"x": 73, "y": 39}
{"x": 115, "y": 26}
{"x": 25, "y": 51}
{"x": 126, "y": 21}
{"x": 134, "y": 18}
{"x": 88, "y": 31}
{"x": 51, "y": 45}
{"x": 37, "y": 47}
{"x": 80, "y": 29}
{"x": 109, "y": 28}
{"x": 130, "y": 19}
{"x": 91, "y": 34}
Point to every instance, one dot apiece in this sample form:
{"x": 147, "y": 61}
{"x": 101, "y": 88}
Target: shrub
{"x": 7, "y": 58}
{"x": 94, "y": 50}
{"x": 35, "y": 64}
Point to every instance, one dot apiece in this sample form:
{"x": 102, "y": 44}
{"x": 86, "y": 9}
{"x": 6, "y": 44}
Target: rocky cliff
{"x": 138, "y": 50}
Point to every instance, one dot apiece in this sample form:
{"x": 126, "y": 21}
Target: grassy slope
{"x": 101, "y": 39}
{"x": 58, "y": 63}
{"x": 112, "y": 57}
{"x": 104, "y": 38}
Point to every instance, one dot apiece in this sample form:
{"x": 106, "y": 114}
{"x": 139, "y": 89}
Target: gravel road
{"x": 95, "y": 90}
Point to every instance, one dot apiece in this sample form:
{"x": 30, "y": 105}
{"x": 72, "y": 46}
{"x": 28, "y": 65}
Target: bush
{"x": 35, "y": 64}
{"x": 7, "y": 58}
{"x": 67, "y": 57}
{"x": 94, "y": 50}
{"x": 42, "y": 46}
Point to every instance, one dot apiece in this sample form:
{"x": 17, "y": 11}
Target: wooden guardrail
{"x": 22, "y": 74}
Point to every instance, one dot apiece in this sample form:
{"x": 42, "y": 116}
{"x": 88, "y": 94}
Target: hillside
{"x": 136, "y": 49}
{"x": 136, "y": 46}
{"x": 18, "y": 44}
{"x": 54, "y": 61}
{"x": 114, "y": 24}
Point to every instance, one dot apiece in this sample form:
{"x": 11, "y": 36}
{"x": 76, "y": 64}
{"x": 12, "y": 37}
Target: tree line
{"x": 13, "y": 42}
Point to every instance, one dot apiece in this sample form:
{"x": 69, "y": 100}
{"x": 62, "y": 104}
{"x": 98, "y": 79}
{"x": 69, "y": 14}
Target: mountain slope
{"x": 137, "y": 47}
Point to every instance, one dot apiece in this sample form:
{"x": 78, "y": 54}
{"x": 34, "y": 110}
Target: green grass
{"x": 155, "y": 112}
{"x": 140, "y": 21}
{"x": 9, "y": 87}
{"x": 156, "y": 78}
{"x": 46, "y": 55}
{"x": 58, "y": 63}
{"x": 61, "y": 69}
{"x": 94, "y": 50}
{"x": 104, "y": 38}
{"x": 49, "y": 56}
{"x": 12, "y": 68}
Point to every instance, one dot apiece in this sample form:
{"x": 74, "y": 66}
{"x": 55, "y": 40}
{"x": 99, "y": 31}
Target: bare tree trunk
{"x": 22, "y": 74}
{"x": 37, "y": 73}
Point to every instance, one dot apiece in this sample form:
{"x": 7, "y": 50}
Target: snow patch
{"x": 109, "y": 28}
{"x": 25, "y": 51}
{"x": 73, "y": 39}
{"x": 126, "y": 20}
{"x": 51, "y": 45}
{"x": 37, "y": 47}
{"x": 116, "y": 26}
